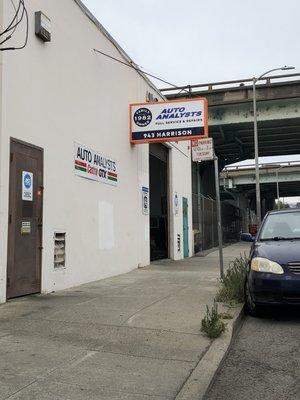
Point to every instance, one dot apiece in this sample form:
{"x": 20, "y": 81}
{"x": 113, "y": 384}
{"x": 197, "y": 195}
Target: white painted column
{"x": 3, "y": 178}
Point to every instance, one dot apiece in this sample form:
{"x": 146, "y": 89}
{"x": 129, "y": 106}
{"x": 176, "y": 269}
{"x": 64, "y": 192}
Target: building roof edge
{"x": 122, "y": 52}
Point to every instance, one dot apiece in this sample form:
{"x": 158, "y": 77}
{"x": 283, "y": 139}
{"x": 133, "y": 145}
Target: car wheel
{"x": 251, "y": 308}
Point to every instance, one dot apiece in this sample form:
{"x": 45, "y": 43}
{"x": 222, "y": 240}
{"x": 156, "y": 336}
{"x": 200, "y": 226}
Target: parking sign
{"x": 27, "y": 186}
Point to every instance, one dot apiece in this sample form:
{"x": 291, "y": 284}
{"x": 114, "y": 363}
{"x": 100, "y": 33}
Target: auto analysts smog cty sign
{"x": 92, "y": 165}
{"x": 169, "y": 121}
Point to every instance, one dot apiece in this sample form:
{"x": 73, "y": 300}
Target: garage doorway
{"x": 25, "y": 219}
{"x": 159, "y": 213}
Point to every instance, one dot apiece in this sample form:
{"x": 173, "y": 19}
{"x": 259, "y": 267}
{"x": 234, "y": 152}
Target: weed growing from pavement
{"x": 232, "y": 285}
{"x": 226, "y": 315}
{"x": 212, "y": 324}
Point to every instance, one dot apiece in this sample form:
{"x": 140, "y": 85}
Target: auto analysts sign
{"x": 94, "y": 166}
{"x": 170, "y": 121}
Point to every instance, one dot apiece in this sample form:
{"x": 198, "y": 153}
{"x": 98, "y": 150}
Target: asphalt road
{"x": 264, "y": 361}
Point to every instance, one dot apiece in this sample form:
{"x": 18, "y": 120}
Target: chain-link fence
{"x": 205, "y": 222}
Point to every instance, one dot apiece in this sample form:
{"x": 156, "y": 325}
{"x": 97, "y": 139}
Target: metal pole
{"x": 219, "y": 215}
{"x": 198, "y": 197}
{"x": 212, "y": 223}
{"x": 258, "y": 201}
{"x": 277, "y": 182}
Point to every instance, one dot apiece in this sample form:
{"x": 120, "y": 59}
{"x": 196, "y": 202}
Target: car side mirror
{"x": 247, "y": 237}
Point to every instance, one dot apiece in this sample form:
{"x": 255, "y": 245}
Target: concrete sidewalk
{"x": 132, "y": 337}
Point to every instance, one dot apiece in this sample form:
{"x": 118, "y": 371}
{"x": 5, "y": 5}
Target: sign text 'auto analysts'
{"x": 168, "y": 121}
{"x": 91, "y": 165}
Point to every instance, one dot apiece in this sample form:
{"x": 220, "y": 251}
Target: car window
{"x": 281, "y": 225}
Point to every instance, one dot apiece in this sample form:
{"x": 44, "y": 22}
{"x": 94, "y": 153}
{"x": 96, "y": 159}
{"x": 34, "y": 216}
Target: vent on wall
{"x": 59, "y": 249}
{"x": 179, "y": 243}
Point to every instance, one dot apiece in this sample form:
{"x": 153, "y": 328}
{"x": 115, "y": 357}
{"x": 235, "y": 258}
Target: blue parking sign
{"x": 27, "y": 186}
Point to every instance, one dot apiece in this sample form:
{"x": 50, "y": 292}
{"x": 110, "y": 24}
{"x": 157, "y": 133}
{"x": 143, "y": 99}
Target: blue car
{"x": 273, "y": 273}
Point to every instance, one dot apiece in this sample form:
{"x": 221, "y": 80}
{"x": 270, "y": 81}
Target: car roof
{"x": 285, "y": 210}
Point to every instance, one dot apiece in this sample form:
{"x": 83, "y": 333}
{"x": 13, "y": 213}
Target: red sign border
{"x": 163, "y": 140}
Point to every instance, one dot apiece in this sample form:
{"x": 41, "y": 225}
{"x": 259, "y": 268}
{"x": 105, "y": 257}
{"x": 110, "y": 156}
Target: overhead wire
{"x": 13, "y": 26}
{"x": 147, "y": 71}
{"x": 13, "y": 20}
{"x": 16, "y": 13}
{"x": 135, "y": 67}
{"x": 14, "y": 29}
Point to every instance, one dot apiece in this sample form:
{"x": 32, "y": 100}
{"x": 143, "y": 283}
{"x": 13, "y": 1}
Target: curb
{"x": 203, "y": 376}
{"x": 204, "y": 253}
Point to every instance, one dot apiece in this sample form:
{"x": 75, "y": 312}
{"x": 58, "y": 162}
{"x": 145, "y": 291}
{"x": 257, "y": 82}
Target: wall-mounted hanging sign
{"x": 27, "y": 186}
{"x": 94, "y": 166}
{"x": 203, "y": 150}
{"x": 145, "y": 200}
{"x": 169, "y": 121}
{"x": 176, "y": 203}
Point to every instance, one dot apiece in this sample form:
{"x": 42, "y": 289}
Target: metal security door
{"x": 25, "y": 220}
{"x": 185, "y": 228}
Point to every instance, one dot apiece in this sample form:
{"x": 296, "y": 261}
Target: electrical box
{"x": 42, "y": 26}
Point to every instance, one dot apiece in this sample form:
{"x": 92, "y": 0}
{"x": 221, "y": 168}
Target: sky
{"x": 197, "y": 41}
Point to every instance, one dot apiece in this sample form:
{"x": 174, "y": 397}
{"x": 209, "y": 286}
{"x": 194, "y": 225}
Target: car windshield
{"x": 281, "y": 226}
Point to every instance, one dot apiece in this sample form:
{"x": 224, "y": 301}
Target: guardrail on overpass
{"x": 209, "y": 89}
{"x": 231, "y": 115}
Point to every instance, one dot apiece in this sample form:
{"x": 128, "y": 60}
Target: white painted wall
{"x": 3, "y": 206}
{"x": 61, "y": 92}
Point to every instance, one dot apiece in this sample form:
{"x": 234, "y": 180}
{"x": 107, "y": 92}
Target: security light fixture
{"x": 286, "y": 68}
{"x": 42, "y": 26}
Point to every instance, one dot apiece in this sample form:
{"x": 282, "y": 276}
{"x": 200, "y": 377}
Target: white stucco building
{"x": 59, "y": 229}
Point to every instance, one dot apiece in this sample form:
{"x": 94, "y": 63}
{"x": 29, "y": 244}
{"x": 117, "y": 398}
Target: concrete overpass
{"x": 231, "y": 126}
{"x": 242, "y": 179}
{"x": 231, "y": 115}
{"x": 238, "y": 183}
